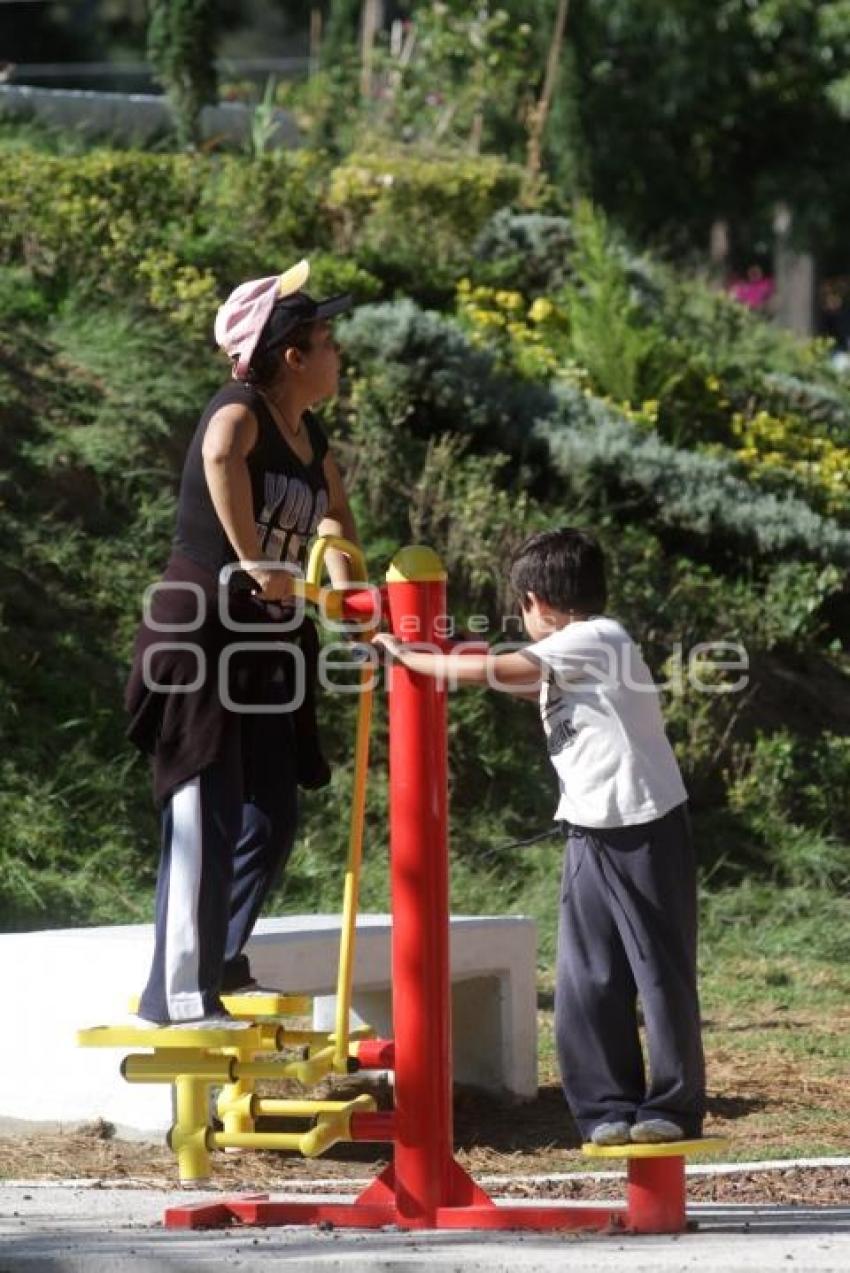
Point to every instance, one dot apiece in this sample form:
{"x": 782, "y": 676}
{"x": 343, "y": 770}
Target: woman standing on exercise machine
{"x": 229, "y": 738}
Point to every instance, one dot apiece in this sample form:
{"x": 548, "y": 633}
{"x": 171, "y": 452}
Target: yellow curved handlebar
{"x": 317, "y": 557}
{"x": 309, "y": 588}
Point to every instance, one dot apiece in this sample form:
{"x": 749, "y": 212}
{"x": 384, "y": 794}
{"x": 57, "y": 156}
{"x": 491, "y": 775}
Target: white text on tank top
{"x": 291, "y": 513}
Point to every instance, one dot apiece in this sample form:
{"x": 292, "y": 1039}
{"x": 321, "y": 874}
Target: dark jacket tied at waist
{"x": 184, "y": 730}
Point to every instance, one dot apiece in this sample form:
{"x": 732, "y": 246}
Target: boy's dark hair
{"x": 565, "y": 568}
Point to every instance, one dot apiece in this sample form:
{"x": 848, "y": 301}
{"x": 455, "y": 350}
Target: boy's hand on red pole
{"x": 389, "y": 645}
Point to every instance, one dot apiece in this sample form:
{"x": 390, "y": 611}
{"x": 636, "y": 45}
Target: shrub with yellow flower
{"x": 523, "y": 338}
{"x": 790, "y": 445}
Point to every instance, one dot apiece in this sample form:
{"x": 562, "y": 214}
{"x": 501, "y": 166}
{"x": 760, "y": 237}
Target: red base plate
{"x": 656, "y": 1204}
{"x": 221, "y": 1212}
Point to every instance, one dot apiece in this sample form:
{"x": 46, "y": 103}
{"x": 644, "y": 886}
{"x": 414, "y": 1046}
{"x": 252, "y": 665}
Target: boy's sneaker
{"x": 214, "y": 1021}
{"x": 618, "y": 1133}
{"x": 252, "y": 988}
{"x": 656, "y": 1131}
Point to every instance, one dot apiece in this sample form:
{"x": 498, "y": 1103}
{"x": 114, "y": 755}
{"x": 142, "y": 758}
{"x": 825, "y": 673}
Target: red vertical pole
{"x": 656, "y": 1195}
{"x": 419, "y": 881}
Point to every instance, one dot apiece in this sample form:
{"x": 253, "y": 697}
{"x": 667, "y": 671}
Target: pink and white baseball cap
{"x": 265, "y": 310}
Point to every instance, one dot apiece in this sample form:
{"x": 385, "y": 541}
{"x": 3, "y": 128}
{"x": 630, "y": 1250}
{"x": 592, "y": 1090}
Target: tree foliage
{"x": 694, "y": 111}
{"x": 670, "y": 113}
{"x": 181, "y": 45}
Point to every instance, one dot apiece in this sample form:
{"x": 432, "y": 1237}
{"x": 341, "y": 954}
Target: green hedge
{"x": 113, "y": 219}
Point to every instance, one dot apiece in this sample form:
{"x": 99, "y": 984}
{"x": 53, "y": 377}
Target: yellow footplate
{"x": 268, "y": 1005}
{"x": 132, "y": 1036}
{"x": 257, "y": 1005}
{"x": 667, "y": 1149}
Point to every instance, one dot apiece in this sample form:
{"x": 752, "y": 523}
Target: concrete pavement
{"x": 109, "y": 1230}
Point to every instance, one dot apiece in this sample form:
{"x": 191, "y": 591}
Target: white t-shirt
{"x": 604, "y": 729}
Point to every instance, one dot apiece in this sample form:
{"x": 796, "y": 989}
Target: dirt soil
{"x": 770, "y": 1102}
{"x": 92, "y": 1153}
{"x": 511, "y": 1143}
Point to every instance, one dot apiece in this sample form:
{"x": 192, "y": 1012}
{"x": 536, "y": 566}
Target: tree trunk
{"x": 794, "y": 274}
{"x": 315, "y": 40}
{"x": 718, "y": 250}
{"x": 540, "y": 112}
{"x": 371, "y": 21}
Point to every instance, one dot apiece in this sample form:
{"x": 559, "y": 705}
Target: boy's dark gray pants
{"x": 628, "y": 928}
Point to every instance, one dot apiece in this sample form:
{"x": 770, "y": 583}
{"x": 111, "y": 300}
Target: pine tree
{"x": 182, "y": 36}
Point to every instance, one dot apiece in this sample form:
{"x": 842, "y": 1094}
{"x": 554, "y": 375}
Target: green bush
{"x": 666, "y": 599}
{"x": 527, "y": 251}
{"x": 741, "y": 343}
{"x": 608, "y": 334}
{"x": 412, "y": 220}
{"x": 592, "y": 446}
{"x": 445, "y": 382}
{"x": 825, "y": 405}
{"x": 86, "y": 516}
{"x": 795, "y": 793}
{"x": 92, "y": 216}
{"x": 407, "y": 485}
{"x": 21, "y": 297}
{"x": 330, "y": 274}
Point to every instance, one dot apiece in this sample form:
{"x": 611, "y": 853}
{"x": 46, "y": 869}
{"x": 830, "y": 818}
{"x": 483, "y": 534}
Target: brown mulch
{"x": 493, "y": 1139}
{"x": 770, "y": 1101}
{"x": 84, "y": 1154}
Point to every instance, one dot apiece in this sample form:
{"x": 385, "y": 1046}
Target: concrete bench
{"x": 54, "y": 982}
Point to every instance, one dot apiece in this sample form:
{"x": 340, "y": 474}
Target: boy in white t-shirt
{"x": 628, "y": 914}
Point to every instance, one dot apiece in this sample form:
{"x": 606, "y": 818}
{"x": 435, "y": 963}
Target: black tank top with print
{"x": 290, "y": 497}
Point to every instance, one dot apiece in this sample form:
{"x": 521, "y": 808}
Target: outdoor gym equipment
{"x": 424, "y": 1187}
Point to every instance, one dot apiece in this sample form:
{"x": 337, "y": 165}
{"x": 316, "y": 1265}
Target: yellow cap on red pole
{"x": 416, "y": 564}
